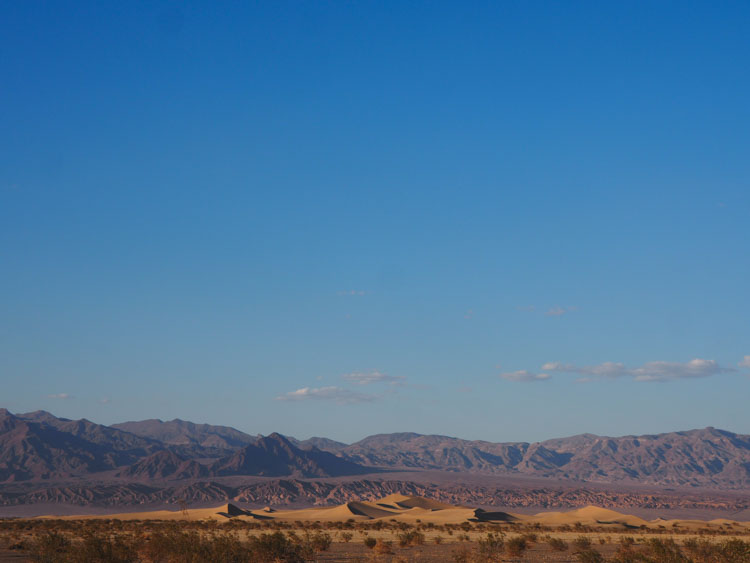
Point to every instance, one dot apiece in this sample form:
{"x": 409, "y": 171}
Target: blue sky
{"x": 506, "y": 221}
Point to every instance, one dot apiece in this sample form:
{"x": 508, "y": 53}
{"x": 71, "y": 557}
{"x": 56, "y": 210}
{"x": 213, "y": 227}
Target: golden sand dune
{"x": 588, "y": 516}
{"x": 352, "y": 510}
{"x": 412, "y": 510}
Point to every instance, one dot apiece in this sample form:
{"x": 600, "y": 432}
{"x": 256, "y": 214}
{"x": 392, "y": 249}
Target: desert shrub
{"x": 227, "y": 548}
{"x": 531, "y": 537}
{"x": 50, "y": 547}
{"x": 382, "y": 548}
{"x": 665, "y": 551}
{"x": 174, "y": 545}
{"x": 734, "y": 551}
{"x": 463, "y": 555}
{"x": 166, "y": 546}
{"x": 582, "y": 543}
{"x": 491, "y": 546}
{"x": 347, "y": 536}
{"x": 699, "y": 550}
{"x": 412, "y": 537}
{"x": 438, "y": 539}
{"x": 275, "y": 547}
{"x": 370, "y": 542}
{"x": 97, "y": 547}
{"x": 319, "y": 541}
{"x": 589, "y": 556}
{"x": 515, "y": 547}
{"x": 626, "y": 554}
{"x": 557, "y": 544}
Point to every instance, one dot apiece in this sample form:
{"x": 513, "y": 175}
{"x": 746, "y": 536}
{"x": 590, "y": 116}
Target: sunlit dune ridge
{"x": 413, "y": 509}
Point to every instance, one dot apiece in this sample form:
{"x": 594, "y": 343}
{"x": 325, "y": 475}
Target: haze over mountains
{"x": 41, "y": 447}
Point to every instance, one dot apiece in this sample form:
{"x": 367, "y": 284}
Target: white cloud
{"x": 745, "y": 363}
{"x": 607, "y": 369}
{"x": 105, "y": 401}
{"x": 332, "y": 393}
{"x": 524, "y": 375}
{"x": 650, "y": 371}
{"x": 62, "y": 396}
{"x": 373, "y": 377}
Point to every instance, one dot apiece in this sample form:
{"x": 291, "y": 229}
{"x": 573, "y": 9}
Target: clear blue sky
{"x": 507, "y": 221}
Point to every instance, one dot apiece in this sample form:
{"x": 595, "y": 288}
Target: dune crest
{"x": 413, "y": 509}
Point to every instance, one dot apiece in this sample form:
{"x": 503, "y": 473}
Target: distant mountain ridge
{"x": 707, "y": 457}
{"x": 40, "y": 446}
{"x": 275, "y": 455}
{"x": 164, "y": 464}
{"x": 184, "y": 433}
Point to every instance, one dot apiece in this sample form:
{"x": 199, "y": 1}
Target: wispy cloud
{"x": 524, "y": 375}
{"x": 335, "y": 394}
{"x": 558, "y": 311}
{"x": 650, "y": 371}
{"x": 368, "y": 378}
{"x": 745, "y": 362}
{"x": 105, "y": 401}
{"x": 62, "y": 396}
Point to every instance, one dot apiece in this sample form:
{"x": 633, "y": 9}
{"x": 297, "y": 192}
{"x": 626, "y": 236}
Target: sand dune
{"x": 412, "y": 510}
{"x": 352, "y": 510}
{"x": 587, "y": 516}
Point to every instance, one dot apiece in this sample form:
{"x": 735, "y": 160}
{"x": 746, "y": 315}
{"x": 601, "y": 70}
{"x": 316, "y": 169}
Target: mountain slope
{"x": 325, "y": 444}
{"x": 63, "y": 448}
{"x": 184, "y": 433}
{"x": 411, "y": 450}
{"x": 41, "y": 446}
{"x": 707, "y": 457}
{"x": 276, "y": 456}
{"x": 164, "y": 465}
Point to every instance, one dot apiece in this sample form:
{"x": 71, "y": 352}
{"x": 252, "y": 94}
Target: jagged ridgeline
{"x": 41, "y": 453}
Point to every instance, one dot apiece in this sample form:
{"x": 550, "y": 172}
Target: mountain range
{"x": 41, "y": 447}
